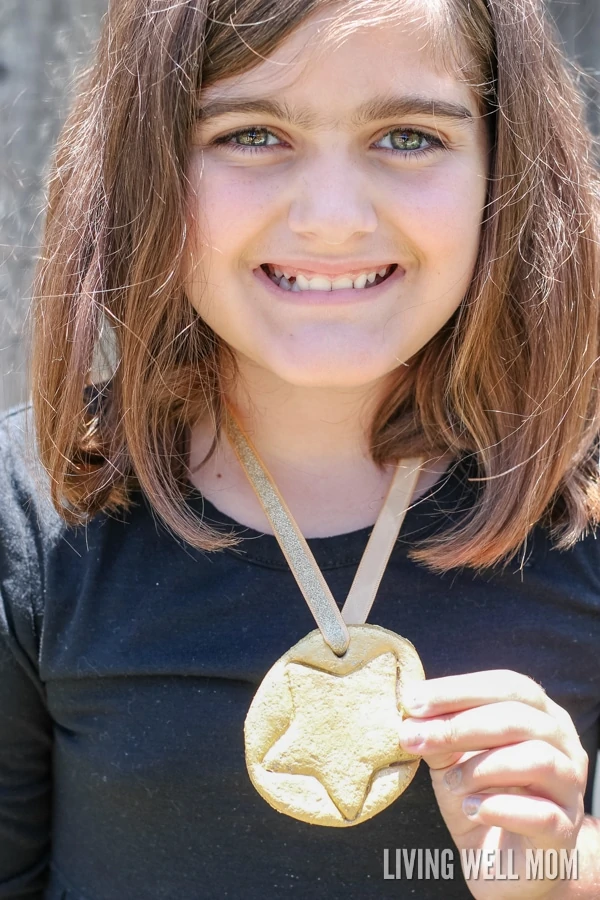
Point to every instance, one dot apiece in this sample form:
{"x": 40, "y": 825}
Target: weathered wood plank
{"x": 579, "y": 25}
{"x": 41, "y": 44}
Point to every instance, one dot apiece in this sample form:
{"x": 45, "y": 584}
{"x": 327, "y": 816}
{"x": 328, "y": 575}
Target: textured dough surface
{"x": 322, "y": 731}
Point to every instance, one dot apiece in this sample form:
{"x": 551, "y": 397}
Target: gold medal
{"x": 322, "y": 732}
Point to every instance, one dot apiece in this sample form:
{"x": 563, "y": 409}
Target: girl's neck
{"x": 314, "y": 444}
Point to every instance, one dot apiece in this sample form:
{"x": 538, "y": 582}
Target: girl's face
{"x": 331, "y": 166}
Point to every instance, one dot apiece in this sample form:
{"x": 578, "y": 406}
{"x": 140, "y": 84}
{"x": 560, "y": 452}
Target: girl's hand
{"x": 508, "y": 770}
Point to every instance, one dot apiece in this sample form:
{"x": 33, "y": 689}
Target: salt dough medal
{"x": 322, "y": 732}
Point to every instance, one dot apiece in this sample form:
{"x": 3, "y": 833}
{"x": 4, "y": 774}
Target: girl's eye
{"x": 410, "y": 141}
{"x": 406, "y": 142}
{"x": 250, "y": 138}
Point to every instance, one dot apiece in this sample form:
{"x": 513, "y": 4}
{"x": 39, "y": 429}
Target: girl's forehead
{"x": 385, "y": 45}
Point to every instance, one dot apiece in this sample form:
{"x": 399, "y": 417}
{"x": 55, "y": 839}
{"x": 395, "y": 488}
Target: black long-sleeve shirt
{"x": 128, "y": 662}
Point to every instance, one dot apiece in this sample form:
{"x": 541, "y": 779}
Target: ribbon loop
{"x": 331, "y": 622}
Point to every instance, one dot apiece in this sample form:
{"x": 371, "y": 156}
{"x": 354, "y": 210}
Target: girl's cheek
{"x": 234, "y": 201}
{"x": 443, "y": 205}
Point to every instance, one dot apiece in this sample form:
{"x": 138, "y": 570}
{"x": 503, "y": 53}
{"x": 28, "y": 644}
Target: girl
{"x": 370, "y": 230}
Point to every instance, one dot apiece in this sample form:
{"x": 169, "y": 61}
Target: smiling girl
{"x": 366, "y": 232}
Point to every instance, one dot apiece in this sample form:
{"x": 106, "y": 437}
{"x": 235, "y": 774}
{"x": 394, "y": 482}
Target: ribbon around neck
{"x": 331, "y": 622}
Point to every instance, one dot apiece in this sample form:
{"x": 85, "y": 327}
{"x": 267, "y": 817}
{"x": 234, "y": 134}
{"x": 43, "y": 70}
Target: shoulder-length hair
{"x": 512, "y": 379}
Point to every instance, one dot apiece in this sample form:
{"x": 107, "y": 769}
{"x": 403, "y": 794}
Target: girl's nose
{"x": 332, "y": 204}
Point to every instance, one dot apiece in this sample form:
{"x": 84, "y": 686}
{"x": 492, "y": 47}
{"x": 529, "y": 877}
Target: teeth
{"x": 319, "y": 283}
{"x": 341, "y": 284}
{"x": 303, "y": 282}
{"x": 322, "y": 283}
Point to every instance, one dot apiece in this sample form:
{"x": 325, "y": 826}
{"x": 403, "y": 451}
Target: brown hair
{"x": 512, "y": 378}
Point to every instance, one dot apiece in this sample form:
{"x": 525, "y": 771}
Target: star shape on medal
{"x": 343, "y": 730}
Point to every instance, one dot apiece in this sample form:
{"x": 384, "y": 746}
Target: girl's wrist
{"x": 587, "y": 884}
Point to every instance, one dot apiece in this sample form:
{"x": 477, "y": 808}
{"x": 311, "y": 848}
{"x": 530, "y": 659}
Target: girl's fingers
{"x": 486, "y": 727}
{"x": 457, "y": 692}
{"x": 545, "y": 823}
{"x": 534, "y": 766}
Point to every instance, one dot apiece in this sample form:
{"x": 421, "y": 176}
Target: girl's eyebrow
{"x": 384, "y": 107}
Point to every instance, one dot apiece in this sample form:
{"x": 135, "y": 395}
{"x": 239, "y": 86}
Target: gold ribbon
{"x": 298, "y": 554}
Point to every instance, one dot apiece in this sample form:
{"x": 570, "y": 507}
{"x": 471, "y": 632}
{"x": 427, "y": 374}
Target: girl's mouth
{"x": 286, "y": 281}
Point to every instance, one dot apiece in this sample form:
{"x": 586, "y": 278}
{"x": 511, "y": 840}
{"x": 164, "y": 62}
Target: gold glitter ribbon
{"x": 299, "y": 556}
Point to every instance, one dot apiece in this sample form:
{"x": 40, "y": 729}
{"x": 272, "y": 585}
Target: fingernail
{"x": 411, "y": 735}
{"x": 471, "y": 806}
{"x": 453, "y": 778}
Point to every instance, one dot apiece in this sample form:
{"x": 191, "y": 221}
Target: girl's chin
{"x": 325, "y": 372}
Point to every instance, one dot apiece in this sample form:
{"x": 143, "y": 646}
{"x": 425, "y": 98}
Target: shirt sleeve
{"x": 25, "y": 781}
{"x": 25, "y": 725}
